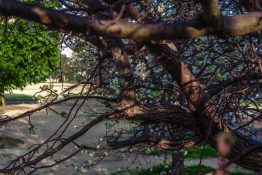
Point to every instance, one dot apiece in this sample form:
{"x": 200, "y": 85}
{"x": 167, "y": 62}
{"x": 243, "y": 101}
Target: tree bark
{"x": 228, "y": 25}
{"x": 2, "y": 98}
{"x": 178, "y": 163}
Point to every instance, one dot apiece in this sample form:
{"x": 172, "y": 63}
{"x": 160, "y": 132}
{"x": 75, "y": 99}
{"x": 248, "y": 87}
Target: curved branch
{"x": 159, "y": 113}
{"x": 206, "y": 110}
{"x": 231, "y": 26}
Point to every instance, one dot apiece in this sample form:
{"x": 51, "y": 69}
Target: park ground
{"x": 16, "y": 137}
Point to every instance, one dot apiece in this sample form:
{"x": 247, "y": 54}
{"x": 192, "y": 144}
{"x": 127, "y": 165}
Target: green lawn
{"x": 166, "y": 169}
{"x": 189, "y": 153}
{"x": 196, "y": 152}
{"x": 18, "y": 97}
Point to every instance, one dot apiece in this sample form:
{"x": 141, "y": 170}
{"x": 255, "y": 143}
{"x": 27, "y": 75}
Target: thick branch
{"x": 232, "y": 26}
{"x": 242, "y": 24}
{"x": 206, "y": 110}
{"x": 211, "y": 12}
{"x": 159, "y": 113}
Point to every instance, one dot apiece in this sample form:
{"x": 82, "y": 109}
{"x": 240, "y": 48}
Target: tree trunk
{"x": 2, "y": 98}
{"x": 178, "y": 163}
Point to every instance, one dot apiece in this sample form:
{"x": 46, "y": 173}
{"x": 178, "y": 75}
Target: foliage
{"x": 71, "y": 69}
{"x": 28, "y": 53}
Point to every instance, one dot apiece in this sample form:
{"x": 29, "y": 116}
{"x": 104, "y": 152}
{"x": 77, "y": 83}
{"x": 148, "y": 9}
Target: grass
{"x": 196, "y": 152}
{"x": 18, "y": 97}
{"x": 163, "y": 169}
{"x": 189, "y": 153}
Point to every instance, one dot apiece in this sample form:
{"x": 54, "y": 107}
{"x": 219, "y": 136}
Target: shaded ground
{"x": 46, "y": 124}
{"x": 16, "y": 138}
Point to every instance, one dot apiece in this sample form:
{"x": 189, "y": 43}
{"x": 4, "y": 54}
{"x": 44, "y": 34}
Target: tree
{"x": 73, "y": 69}
{"x": 182, "y": 72}
{"x": 28, "y": 54}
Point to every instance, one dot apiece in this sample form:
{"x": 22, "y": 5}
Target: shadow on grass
{"x": 18, "y": 98}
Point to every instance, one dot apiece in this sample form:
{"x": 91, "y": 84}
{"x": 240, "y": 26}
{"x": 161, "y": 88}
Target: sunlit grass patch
{"x": 196, "y": 152}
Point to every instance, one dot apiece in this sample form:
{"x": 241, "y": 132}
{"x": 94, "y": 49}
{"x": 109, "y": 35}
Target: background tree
{"x": 73, "y": 69}
{"x": 28, "y": 54}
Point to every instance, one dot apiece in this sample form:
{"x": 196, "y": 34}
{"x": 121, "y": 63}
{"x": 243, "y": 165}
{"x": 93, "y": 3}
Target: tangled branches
{"x": 201, "y": 81}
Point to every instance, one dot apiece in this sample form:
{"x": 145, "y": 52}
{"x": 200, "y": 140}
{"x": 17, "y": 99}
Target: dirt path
{"x": 48, "y": 122}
